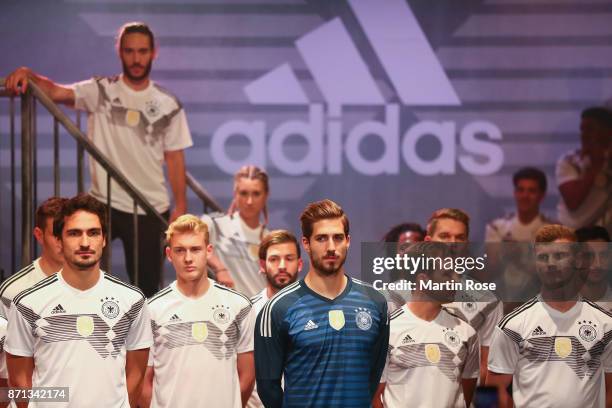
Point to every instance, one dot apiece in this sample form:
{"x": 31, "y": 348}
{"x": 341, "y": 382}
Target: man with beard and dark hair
{"x": 327, "y": 333}
{"x": 556, "y": 348}
{"x": 138, "y": 126}
{"x": 80, "y": 320}
{"x": 280, "y": 262}
{"x": 433, "y": 355}
{"x": 597, "y": 252}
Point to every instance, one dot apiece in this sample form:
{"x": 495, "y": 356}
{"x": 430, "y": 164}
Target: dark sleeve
{"x": 379, "y": 350}
{"x": 270, "y": 349}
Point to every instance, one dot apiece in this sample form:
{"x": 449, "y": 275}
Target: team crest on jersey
{"x": 152, "y": 108}
{"x": 85, "y": 325}
{"x": 110, "y": 307}
{"x": 468, "y": 306}
{"x": 451, "y": 337}
{"x": 363, "y": 318}
{"x": 336, "y": 319}
{"x": 432, "y": 353}
{"x": 199, "y": 331}
{"x": 132, "y": 117}
{"x": 221, "y": 314}
{"x": 563, "y": 346}
{"x": 587, "y": 331}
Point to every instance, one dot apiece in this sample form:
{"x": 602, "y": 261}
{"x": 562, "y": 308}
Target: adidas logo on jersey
{"x": 175, "y": 318}
{"x": 538, "y": 331}
{"x": 407, "y": 339}
{"x": 58, "y": 309}
{"x": 310, "y": 325}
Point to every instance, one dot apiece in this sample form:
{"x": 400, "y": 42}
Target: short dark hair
{"x": 80, "y": 202}
{"x": 393, "y": 234}
{"x": 50, "y": 208}
{"x": 277, "y": 237}
{"x": 599, "y": 114}
{"x": 592, "y": 233}
{"x": 135, "y": 27}
{"x": 322, "y": 210}
{"x": 530, "y": 173}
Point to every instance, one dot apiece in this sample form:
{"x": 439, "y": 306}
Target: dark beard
{"x": 131, "y": 77}
{"x": 279, "y": 286}
{"x": 318, "y": 265}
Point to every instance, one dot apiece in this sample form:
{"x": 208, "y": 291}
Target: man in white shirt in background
{"x": 280, "y": 261}
{"x": 49, "y": 261}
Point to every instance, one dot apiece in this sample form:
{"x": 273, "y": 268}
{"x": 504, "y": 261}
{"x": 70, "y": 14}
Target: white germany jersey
{"x": 79, "y": 339}
{"x": 3, "y": 324}
{"x": 427, "y": 360}
{"x": 133, "y": 129}
{"x": 196, "y": 343}
{"x": 481, "y": 309}
{"x": 18, "y": 282}
{"x": 556, "y": 359}
{"x": 606, "y": 301}
{"x": 258, "y": 301}
{"x": 510, "y": 229}
{"x": 238, "y": 252}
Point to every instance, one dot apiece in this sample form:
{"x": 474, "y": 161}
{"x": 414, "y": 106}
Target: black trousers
{"x": 150, "y": 248}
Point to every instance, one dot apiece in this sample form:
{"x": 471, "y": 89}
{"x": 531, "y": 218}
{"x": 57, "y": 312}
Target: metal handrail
{"x": 199, "y": 190}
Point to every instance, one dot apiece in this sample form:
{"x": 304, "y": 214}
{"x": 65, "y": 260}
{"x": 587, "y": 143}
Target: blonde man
{"x": 203, "y": 343}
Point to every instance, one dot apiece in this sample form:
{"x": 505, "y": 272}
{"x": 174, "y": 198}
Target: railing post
{"x": 80, "y": 159}
{"x": 56, "y": 158}
{"x": 109, "y": 223}
{"x": 13, "y": 187}
{"x": 135, "y": 219}
{"x": 26, "y": 179}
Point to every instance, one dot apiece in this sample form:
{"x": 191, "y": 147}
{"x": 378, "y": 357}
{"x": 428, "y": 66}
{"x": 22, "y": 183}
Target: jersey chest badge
{"x": 110, "y": 307}
{"x": 587, "y": 330}
{"x": 432, "y": 353}
{"x": 132, "y": 117}
{"x": 363, "y": 318}
{"x": 563, "y": 346}
{"x": 336, "y": 319}
{"x": 85, "y": 325}
{"x": 199, "y": 331}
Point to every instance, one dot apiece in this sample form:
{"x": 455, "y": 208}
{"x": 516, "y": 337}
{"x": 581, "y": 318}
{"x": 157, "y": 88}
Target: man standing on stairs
{"x": 138, "y": 126}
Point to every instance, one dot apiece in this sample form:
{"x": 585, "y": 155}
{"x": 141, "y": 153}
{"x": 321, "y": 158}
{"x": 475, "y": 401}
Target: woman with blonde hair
{"x": 236, "y": 236}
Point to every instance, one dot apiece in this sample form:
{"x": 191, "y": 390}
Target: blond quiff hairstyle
{"x": 187, "y": 223}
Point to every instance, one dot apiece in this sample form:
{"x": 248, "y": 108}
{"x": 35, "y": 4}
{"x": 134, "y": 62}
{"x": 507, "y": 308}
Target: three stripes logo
{"x": 407, "y": 339}
{"x": 538, "y": 331}
{"x": 175, "y": 318}
{"x": 58, "y": 309}
{"x": 310, "y": 325}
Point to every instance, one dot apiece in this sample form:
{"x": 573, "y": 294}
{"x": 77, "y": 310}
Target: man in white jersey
{"x": 80, "y": 328}
{"x": 280, "y": 261}
{"x": 597, "y": 248}
{"x": 451, "y": 225}
{"x": 49, "y": 262}
{"x": 433, "y": 355}
{"x": 138, "y": 126}
{"x": 3, "y": 371}
{"x": 529, "y": 191}
{"x": 556, "y": 349}
{"x": 203, "y": 332}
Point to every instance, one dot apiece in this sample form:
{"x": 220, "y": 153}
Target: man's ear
{"x": 262, "y": 266}
{"x": 38, "y": 234}
{"x": 306, "y": 244}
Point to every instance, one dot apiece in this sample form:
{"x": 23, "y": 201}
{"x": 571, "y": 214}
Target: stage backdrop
{"x": 392, "y": 108}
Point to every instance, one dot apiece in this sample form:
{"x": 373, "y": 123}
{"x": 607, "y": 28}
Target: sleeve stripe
{"x": 516, "y": 312}
{"x": 265, "y": 325}
{"x": 45, "y": 282}
{"x": 9, "y": 281}
{"x": 596, "y": 306}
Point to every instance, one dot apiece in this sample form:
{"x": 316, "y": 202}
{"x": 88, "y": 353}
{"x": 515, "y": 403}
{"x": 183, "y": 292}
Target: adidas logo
{"x": 175, "y": 318}
{"x": 310, "y": 325}
{"x": 407, "y": 339}
{"x": 58, "y": 309}
{"x": 336, "y": 65}
{"x": 538, "y": 331}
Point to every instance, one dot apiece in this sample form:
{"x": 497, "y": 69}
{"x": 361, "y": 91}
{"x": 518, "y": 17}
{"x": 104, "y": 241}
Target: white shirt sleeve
{"x": 492, "y": 234}
{"x": 566, "y": 171}
{"x": 247, "y": 330}
{"x": 488, "y": 326}
{"x": 212, "y": 231}
{"x": 177, "y": 135}
{"x": 472, "y": 362}
{"x": 86, "y": 95}
{"x": 503, "y": 353}
{"x": 140, "y": 335}
{"x": 19, "y": 337}
{"x": 3, "y": 371}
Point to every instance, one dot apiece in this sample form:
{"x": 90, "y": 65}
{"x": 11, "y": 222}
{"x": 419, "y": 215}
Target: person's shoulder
{"x": 117, "y": 287}
{"x": 9, "y": 288}
{"x": 458, "y": 323}
{"x": 501, "y": 223}
{"x": 514, "y": 320}
{"x": 571, "y": 157}
{"x": 546, "y": 220}
{"x": 232, "y": 296}
{"x": 38, "y": 292}
{"x": 369, "y": 291}
{"x": 283, "y": 299}
{"x": 167, "y": 96}
{"x": 158, "y": 300}
{"x": 258, "y": 298}
{"x": 606, "y": 315}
